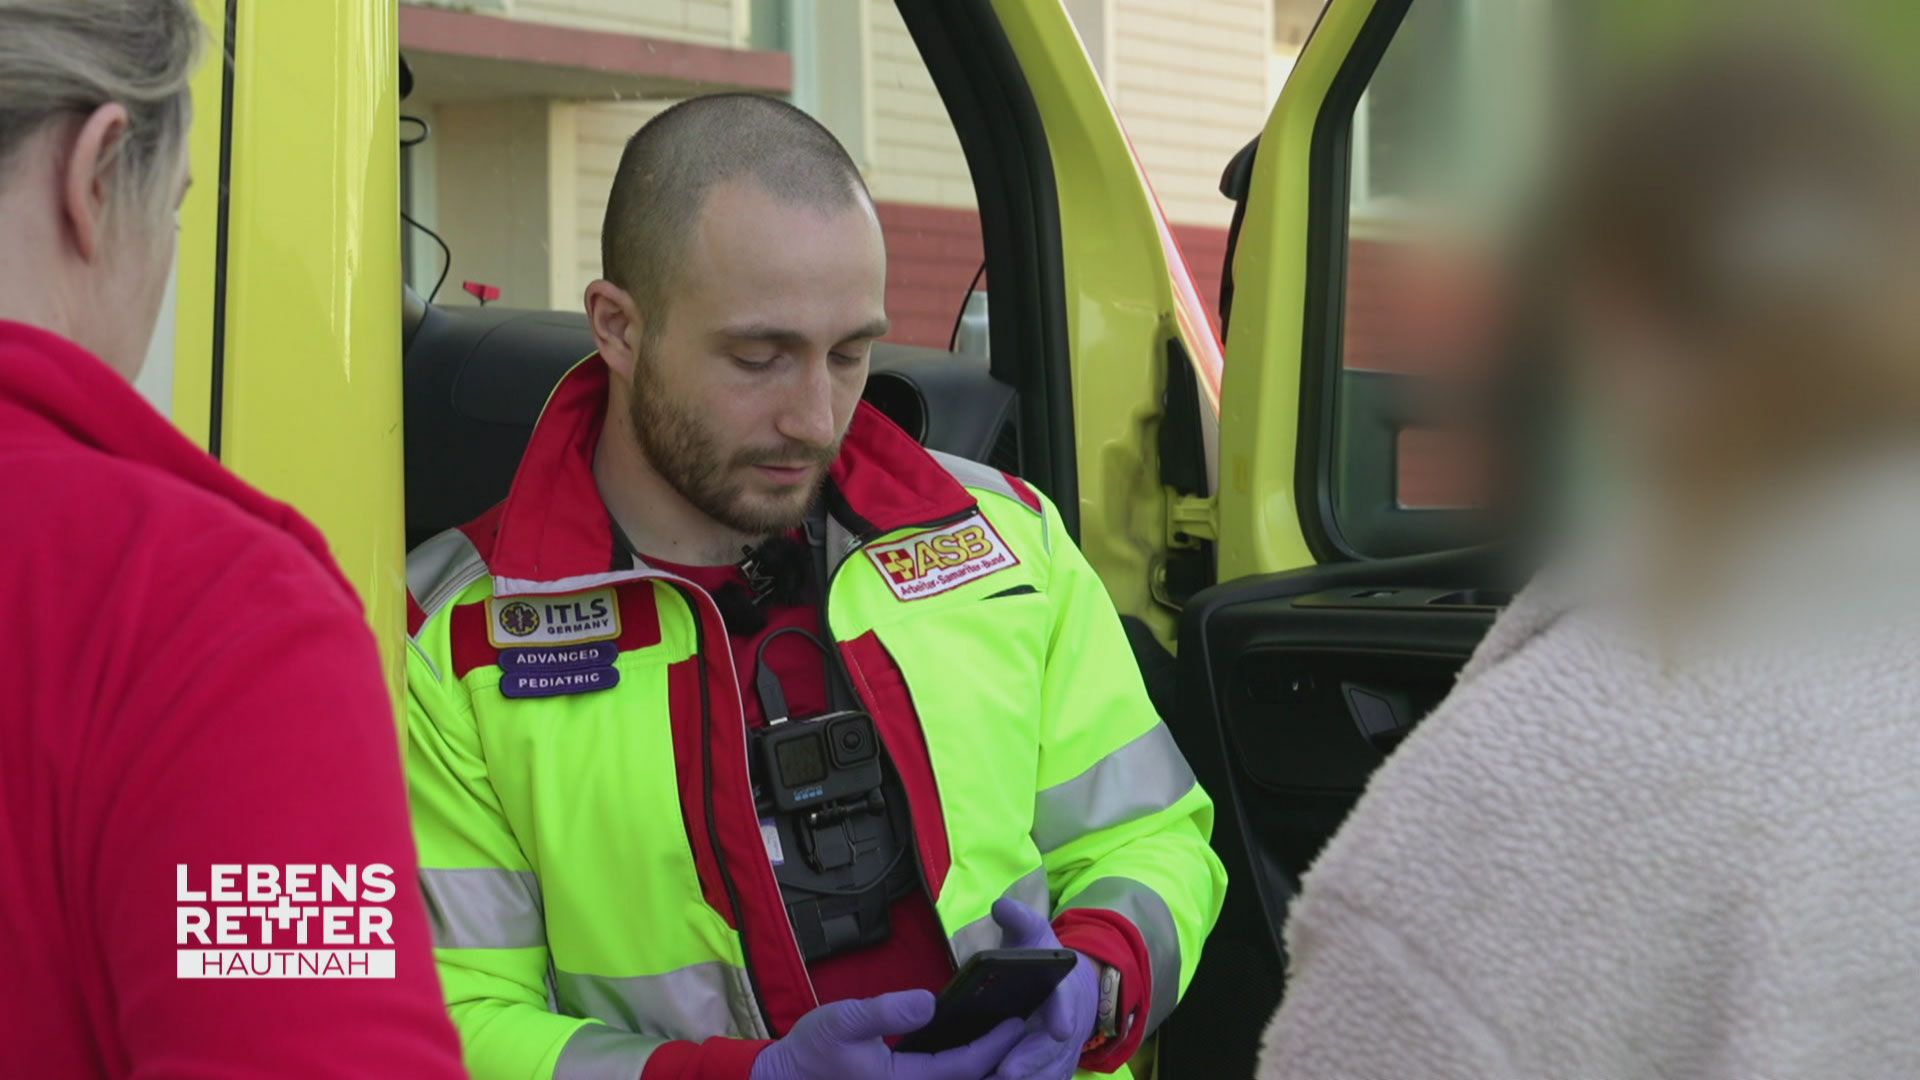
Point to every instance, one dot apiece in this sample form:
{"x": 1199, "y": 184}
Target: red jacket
{"x": 189, "y": 682}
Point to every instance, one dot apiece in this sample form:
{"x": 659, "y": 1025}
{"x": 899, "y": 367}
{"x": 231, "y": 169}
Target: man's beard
{"x": 687, "y": 455}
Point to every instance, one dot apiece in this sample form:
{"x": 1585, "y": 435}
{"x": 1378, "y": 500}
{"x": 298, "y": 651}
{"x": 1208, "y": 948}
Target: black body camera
{"x": 836, "y": 831}
{"x": 832, "y": 809}
{"x": 820, "y": 762}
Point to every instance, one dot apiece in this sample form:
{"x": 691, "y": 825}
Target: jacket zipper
{"x": 687, "y": 591}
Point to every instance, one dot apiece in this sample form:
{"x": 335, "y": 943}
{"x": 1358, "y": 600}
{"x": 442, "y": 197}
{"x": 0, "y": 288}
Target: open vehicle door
{"x": 1351, "y": 589}
{"x": 285, "y": 357}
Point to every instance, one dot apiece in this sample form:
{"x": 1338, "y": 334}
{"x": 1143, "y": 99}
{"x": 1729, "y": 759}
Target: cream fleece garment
{"x": 1604, "y": 857}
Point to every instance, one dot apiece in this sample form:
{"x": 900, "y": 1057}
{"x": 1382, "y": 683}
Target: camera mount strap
{"x": 766, "y": 684}
{"x": 845, "y": 853}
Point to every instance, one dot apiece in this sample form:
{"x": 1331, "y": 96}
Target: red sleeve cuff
{"x": 714, "y": 1059}
{"x": 1108, "y": 938}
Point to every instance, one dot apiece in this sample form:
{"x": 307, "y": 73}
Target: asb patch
{"x": 535, "y": 684}
{"x": 942, "y": 559}
{"x": 518, "y": 622}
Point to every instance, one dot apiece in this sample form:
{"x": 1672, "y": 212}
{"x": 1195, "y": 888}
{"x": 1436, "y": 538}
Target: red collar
{"x": 553, "y": 526}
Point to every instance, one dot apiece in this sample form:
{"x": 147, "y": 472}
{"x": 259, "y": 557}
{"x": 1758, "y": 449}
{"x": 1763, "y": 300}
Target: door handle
{"x": 1383, "y": 717}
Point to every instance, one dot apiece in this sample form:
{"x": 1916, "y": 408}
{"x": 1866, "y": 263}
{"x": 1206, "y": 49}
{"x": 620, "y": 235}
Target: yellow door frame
{"x": 1260, "y": 511}
{"x": 197, "y": 259}
{"x": 1127, "y": 294}
{"x": 305, "y": 350}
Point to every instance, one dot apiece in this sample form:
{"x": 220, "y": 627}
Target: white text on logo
{"x": 267, "y": 921}
{"x": 942, "y": 559}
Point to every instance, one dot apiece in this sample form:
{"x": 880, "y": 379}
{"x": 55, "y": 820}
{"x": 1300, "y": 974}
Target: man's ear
{"x": 85, "y": 186}
{"x": 616, "y": 325}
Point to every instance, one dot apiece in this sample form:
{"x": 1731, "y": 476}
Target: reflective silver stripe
{"x": 695, "y": 1002}
{"x": 598, "y": 1052}
{"x": 983, "y": 933}
{"x": 975, "y": 475}
{"x": 438, "y": 570}
{"x": 507, "y": 586}
{"x": 483, "y": 909}
{"x": 1143, "y": 777}
{"x": 1148, "y": 913}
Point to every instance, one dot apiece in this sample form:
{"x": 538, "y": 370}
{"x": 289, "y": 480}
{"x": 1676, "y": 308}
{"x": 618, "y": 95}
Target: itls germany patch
{"x": 555, "y": 645}
{"x": 933, "y": 562}
{"x": 519, "y": 621}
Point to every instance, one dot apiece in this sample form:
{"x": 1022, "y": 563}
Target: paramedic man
{"x": 607, "y": 899}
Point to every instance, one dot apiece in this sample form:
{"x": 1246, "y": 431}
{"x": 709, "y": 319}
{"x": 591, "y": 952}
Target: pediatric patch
{"x": 559, "y": 658}
{"x": 538, "y": 684}
{"x": 942, "y": 559}
{"x": 517, "y": 622}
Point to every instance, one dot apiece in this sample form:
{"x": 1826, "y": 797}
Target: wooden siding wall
{"x": 1189, "y": 81}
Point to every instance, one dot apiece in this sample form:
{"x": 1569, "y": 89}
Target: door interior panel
{"x": 1367, "y": 509}
{"x": 1291, "y": 690}
{"x": 476, "y": 380}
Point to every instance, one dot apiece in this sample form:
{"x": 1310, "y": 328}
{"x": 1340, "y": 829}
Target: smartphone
{"x": 992, "y": 986}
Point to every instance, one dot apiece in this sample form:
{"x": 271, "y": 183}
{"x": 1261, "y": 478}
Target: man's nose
{"x": 807, "y": 415}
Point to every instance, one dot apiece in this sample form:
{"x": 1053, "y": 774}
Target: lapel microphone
{"x": 776, "y": 574}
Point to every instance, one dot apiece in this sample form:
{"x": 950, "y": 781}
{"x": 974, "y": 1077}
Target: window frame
{"x": 1386, "y": 529}
{"x": 1323, "y": 347}
{"x": 1384, "y": 211}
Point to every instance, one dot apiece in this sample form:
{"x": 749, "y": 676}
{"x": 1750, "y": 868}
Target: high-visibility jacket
{"x": 593, "y": 864}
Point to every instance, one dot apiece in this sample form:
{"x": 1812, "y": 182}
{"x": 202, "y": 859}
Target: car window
{"x": 511, "y": 151}
{"x": 1438, "y": 144}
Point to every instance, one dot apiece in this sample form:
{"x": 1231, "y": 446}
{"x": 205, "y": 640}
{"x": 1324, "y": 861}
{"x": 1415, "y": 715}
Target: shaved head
{"x": 675, "y": 161}
{"x": 744, "y": 286}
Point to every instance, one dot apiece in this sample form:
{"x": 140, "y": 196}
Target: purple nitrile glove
{"x": 1057, "y": 1032}
{"x": 845, "y": 1040}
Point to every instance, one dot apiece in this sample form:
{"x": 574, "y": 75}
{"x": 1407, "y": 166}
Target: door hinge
{"x": 1190, "y": 520}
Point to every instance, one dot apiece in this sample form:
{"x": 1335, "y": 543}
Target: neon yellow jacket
{"x": 600, "y": 893}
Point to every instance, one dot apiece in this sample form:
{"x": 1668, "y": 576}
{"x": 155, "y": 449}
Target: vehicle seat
{"x": 475, "y": 382}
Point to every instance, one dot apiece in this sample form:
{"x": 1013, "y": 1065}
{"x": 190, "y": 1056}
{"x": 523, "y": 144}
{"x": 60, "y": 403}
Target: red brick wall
{"x": 1366, "y": 339}
{"x": 933, "y": 252}
{"x": 1410, "y": 312}
{"x": 1206, "y": 252}
{"x": 1416, "y": 309}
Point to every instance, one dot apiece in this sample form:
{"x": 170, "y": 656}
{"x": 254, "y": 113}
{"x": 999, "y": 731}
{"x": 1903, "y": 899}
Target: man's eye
{"x": 848, "y": 360}
{"x": 754, "y": 363}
